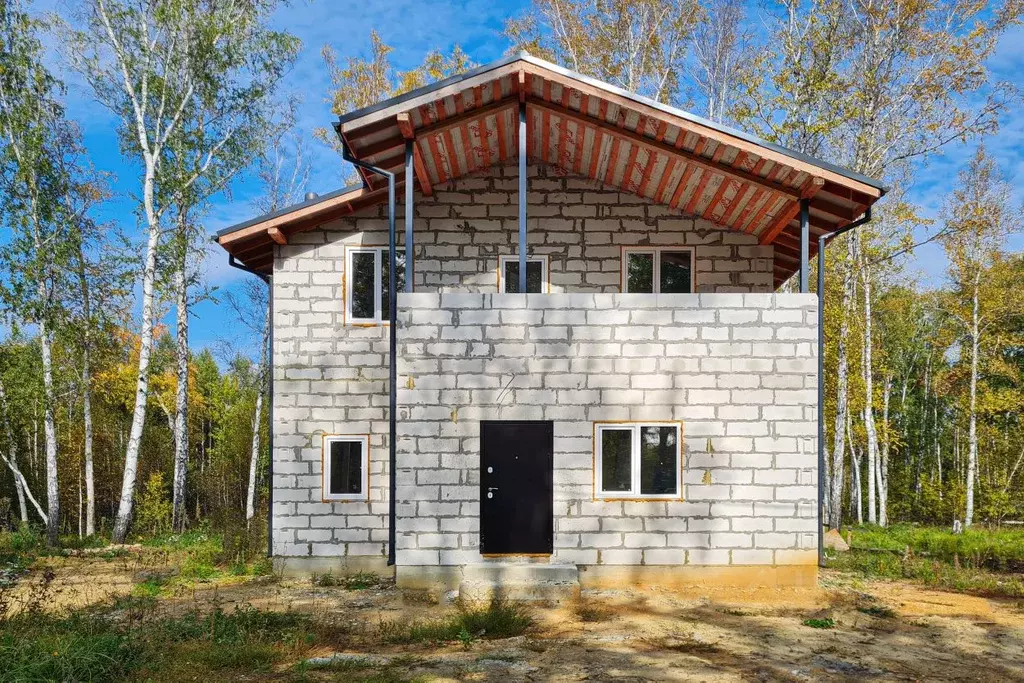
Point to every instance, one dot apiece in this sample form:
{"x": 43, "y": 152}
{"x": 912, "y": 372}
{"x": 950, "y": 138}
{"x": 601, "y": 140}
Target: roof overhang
{"x": 587, "y": 128}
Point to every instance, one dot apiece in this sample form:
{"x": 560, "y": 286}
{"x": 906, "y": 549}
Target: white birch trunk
{"x": 869, "y": 412}
{"x": 49, "y": 425}
{"x": 50, "y": 432}
{"x": 131, "y": 457}
{"x": 842, "y": 370}
{"x": 254, "y": 453}
{"x": 90, "y": 482}
{"x": 972, "y": 437}
{"x": 19, "y": 477}
{"x": 12, "y": 459}
{"x": 254, "y": 457}
{"x": 883, "y": 463}
{"x": 181, "y": 407}
{"x": 856, "y": 496}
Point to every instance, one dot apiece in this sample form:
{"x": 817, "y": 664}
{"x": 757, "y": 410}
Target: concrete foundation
{"x": 293, "y": 567}
{"x": 688, "y": 576}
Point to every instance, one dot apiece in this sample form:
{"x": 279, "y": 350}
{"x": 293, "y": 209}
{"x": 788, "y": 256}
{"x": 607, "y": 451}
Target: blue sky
{"x": 412, "y": 28}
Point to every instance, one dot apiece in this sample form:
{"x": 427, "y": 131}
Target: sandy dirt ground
{"x": 883, "y": 630}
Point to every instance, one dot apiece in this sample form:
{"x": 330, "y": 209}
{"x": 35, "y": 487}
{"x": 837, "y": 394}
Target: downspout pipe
{"x": 823, "y": 241}
{"x": 392, "y": 343}
{"x": 235, "y": 263}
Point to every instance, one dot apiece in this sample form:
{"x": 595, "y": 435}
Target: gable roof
{"x": 589, "y": 128}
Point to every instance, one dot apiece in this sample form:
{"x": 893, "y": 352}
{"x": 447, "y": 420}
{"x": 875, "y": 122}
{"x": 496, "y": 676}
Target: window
{"x": 366, "y": 290}
{"x": 637, "y": 460}
{"x": 346, "y": 467}
{"x": 536, "y": 274}
{"x": 657, "y": 270}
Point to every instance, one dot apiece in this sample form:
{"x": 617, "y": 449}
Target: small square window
{"x": 657, "y": 270}
{"x": 536, "y": 274}
{"x": 346, "y": 466}
{"x": 641, "y": 461}
{"x": 366, "y": 283}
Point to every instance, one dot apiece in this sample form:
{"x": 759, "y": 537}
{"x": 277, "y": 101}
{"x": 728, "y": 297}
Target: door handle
{"x": 492, "y": 488}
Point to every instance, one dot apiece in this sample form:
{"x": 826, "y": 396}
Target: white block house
{"x": 593, "y": 374}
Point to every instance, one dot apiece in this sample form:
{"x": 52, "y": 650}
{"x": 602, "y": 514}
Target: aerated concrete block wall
{"x": 331, "y": 378}
{"x": 738, "y": 370}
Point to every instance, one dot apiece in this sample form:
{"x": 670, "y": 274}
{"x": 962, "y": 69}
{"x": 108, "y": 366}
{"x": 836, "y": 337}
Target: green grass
{"x": 931, "y": 573}
{"x": 95, "y": 646}
{"x": 150, "y": 588}
{"x": 79, "y": 648}
{"x": 975, "y": 548}
{"x": 820, "y": 623}
{"x": 980, "y": 561}
{"x": 498, "y": 619}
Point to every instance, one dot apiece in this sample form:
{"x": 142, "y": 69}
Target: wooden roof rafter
{"x": 419, "y": 167}
{"x": 595, "y": 130}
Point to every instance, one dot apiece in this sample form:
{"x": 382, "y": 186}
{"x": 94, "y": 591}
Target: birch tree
{"x": 638, "y": 45}
{"x": 980, "y": 217}
{"x": 36, "y": 138}
{"x": 358, "y": 82}
{"x": 175, "y": 69}
{"x": 720, "y": 47}
{"x": 875, "y": 86}
{"x": 11, "y": 460}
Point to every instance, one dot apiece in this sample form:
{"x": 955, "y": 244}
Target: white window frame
{"x": 545, "y": 284}
{"x": 379, "y": 315}
{"x": 364, "y": 493}
{"x": 656, "y": 253}
{"x": 634, "y": 493}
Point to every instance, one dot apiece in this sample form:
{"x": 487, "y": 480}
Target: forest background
{"x": 132, "y": 358}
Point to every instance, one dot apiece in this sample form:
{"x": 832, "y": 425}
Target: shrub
{"x": 153, "y": 511}
{"x": 352, "y": 582}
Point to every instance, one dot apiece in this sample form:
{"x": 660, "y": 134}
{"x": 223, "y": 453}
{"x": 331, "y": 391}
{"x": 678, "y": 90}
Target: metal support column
{"x": 522, "y": 197}
{"x": 409, "y": 210}
{"x": 805, "y": 239}
{"x": 346, "y": 154}
{"x": 821, "y": 399}
{"x": 392, "y": 370}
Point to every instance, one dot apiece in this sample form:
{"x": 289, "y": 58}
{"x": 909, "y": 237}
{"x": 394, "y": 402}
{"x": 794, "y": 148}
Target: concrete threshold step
{"x": 519, "y": 582}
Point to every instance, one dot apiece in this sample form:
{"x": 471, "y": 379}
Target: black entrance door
{"x": 516, "y": 502}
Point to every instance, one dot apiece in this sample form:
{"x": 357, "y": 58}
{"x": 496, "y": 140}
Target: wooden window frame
{"x": 634, "y": 493}
{"x": 656, "y": 280}
{"x": 545, "y": 273}
{"x": 380, "y": 315}
{"x": 325, "y": 470}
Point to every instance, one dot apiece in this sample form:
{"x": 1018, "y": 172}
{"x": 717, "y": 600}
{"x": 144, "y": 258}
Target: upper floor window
{"x": 657, "y": 270}
{"x": 637, "y": 460}
{"x": 536, "y": 274}
{"x": 366, "y": 290}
